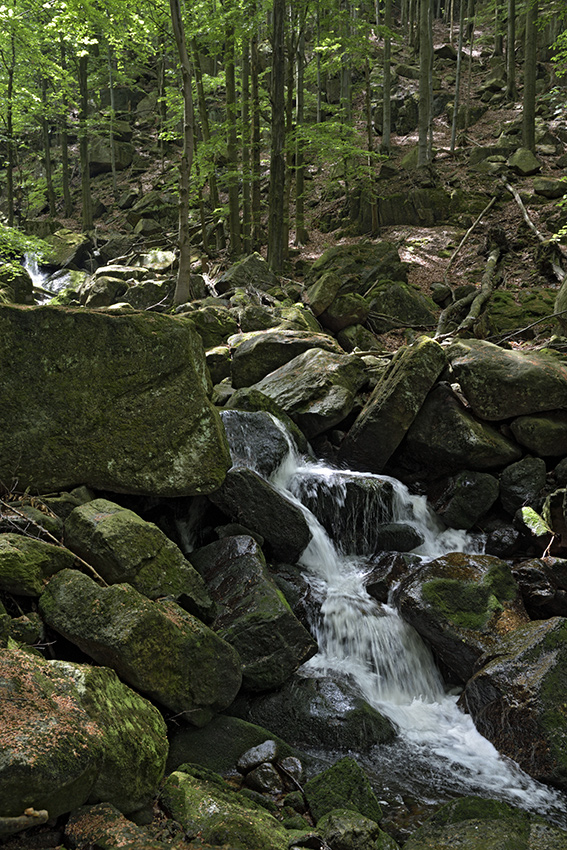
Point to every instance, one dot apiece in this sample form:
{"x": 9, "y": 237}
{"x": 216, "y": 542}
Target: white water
{"x": 369, "y": 644}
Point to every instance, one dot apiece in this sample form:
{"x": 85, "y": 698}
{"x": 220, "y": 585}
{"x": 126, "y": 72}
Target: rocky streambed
{"x": 162, "y": 611}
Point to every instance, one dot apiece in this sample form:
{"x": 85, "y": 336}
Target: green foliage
{"x": 15, "y": 244}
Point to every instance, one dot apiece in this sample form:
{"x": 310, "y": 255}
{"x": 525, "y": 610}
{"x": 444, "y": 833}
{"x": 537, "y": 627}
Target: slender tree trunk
{"x": 86, "y": 200}
{"x": 9, "y": 63}
{"x": 231, "y": 146}
{"x": 530, "y": 61}
{"x": 387, "y": 104}
{"x": 183, "y": 288}
{"x": 457, "y": 99}
{"x": 63, "y": 134}
{"x": 425, "y": 58}
{"x": 256, "y": 143}
{"x": 498, "y": 35}
{"x": 246, "y": 145}
{"x": 111, "y": 139}
{"x": 47, "y": 152}
{"x": 289, "y": 151}
{"x": 318, "y": 60}
{"x": 276, "y": 247}
{"x": 161, "y": 102}
{"x": 511, "y": 91}
{"x": 301, "y": 234}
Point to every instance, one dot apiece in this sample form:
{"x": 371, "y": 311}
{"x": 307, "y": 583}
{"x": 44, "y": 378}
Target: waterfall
{"x": 395, "y": 672}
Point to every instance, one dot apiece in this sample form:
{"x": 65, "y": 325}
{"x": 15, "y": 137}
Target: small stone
{"x": 266, "y": 779}
{"x": 266, "y": 752}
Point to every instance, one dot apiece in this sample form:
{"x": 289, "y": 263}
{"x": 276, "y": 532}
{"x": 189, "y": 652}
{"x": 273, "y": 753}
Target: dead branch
{"x": 31, "y": 817}
{"x": 488, "y": 284}
{"x": 487, "y": 209}
{"x": 450, "y": 313}
{"x": 52, "y": 537}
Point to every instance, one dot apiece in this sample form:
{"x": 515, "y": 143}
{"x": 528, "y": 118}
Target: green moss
{"x": 344, "y": 785}
{"x": 463, "y": 603}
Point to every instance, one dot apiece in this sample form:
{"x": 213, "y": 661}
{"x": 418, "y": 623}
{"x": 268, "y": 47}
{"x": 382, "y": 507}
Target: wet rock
{"x": 256, "y": 354}
{"x": 466, "y": 498}
{"x": 210, "y": 809}
{"x": 543, "y": 584}
{"x": 157, "y": 647}
{"x": 73, "y": 734}
{"x": 344, "y": 829}
{"x": 499, "y": 383}
{"x": 397, "y": 537}
{"x": 344, "y": 786}
{"x": 445, "y": 436}
{"x": 318, "y": 712}
{"x": 265, "y": 752}
{"x": 545, "y": 434}
{"x": 26, "y": 563}
{"x": 463, "y": 605}
{"x": 249, "y": 499}
{"x": 516, "y": 699}
{"x": 123, "y": 547}
{"x": 121, "y": 401}
{"x": 255, "y": 440}
{"x": 103, "y": 825}
{"x": 385, "y": 570}
{"x": 521, "y": 484}
{"x": 316, "y": 389}
{"x": 266, "y": 779}
{"x": 252, "y": 614}
{"x": 253, "y": 400}
{"x": 393, "y": 406}
{"x": 68, "y": 249}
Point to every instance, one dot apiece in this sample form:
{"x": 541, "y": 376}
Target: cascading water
{"x": 369, "y": 644}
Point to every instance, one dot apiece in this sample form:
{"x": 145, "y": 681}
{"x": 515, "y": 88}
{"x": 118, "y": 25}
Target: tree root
{"x": 31, "y": 817}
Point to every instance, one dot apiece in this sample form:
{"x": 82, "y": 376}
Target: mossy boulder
{"x": 213, "y": 323}
{"x": 342, "y": 786}
{"x": 253, "y": 615}
{"x": 251, "y": 271}
{"x": 117, "y": 402}
{"x": 250, "y": 399}
{"x": 256, "y": 440}
{"x": 67, "y": 249}
{"x": 157, "y": 647}
{"x": 123, "y": 547}
{"x": 393, "y": 405}
{"x": 463, "y": 606}
{"x": 26, "y": 563}
{"x": 344, "y": 829}
{"x": 323, "y": 292}
{"x": 517, "y": 699}
{"x": 104, "y": 826}
{"x": 317, "y": 389}
{"x": 396, "y": 304}
{"x": 72, "y": 733}
{"x": 545, "y": 434}
{"x": 359, "y": 266}
{"x": 346, "y": 309}
{"x": 507, "y": 311}
{"x": 210, "y": 809}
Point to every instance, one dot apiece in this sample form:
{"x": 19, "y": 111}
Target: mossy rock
{"x": 342, "y": 786}
{"x": 398, "y": 304}
{"x": 345, "y": 310}
{"x": 251, "y": 399}
{"x": 344, "y": 829}
{"x": 213, "y": 324}
{"x": 217, "y": 815}
{"x": 508, "y": 311}
{"x": 26, "y": 564}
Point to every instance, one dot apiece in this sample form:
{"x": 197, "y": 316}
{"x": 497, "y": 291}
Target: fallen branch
{"x": 529, "y": 327}
{"x": 557, "y": 268}
{"x": 52, "y": 537}
{"x": 449, "y": 313}
{"x": 31, "y": 817}
{"x": 488, "y": 284}
{"x": 487, "y": 208}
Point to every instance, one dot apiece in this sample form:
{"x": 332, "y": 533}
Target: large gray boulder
{"x": 256, "y": 354}
{"x": 157, "y": 647}
{"x": 544, "y": 434}
{"x": 317, "y": 388}
{"x": 517, "y": 699}
{"x": 74, "y": 733}
{"x": 116, "y": 402}
{"x": 499, "y": 383}
{"x": 123, "y": 547}
{"x": 461, "y": 605}
{"x": 392, "y": 407}
{"x": 252, "y": 501}
{"x": 445, "y": 437}
{"x": 253, "y": 615}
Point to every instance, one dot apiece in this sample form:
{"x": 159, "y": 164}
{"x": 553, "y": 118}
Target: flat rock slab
{"x": 393, "y": 406}
{"x": 116, "y": 402}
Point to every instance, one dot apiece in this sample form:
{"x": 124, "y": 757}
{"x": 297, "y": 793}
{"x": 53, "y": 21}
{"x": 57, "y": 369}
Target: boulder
{"x": 549, "y": 187}
{"x": 253, "y": 615}
{"x": 521, "y": 484}
{"x": 344, "y": 829}
{"x": 316, "y": 389}
{"x": 74, "y": 734}
{"x": 214, "y": 323}
{"x": 157, "y": 647}
{"x": 16, "y": 286}
{"x": 323, "y": 292}
{"x": 517, "y": 699}
{"x": 342, "y": 786}
{"x": 103, "y": 825}
{"x": 544, "y": 434}
{"x": 346, "y": 310}
{"x": 208, "y": 808}
{"x": 67, "y": 249}
{"x": 26, "y": 563}
{"x": 445, "y": 437}
{"x": 318, "y": 713}
{"x": 524, "y": 162}
{"x": 218, "y": 363}
{"x": 101, "y": 291}
{"x": 247, "y": 498}
{"x": 123, "y": 547}
{"x": 350, "y": 507}
{"x": 393, "y": 405}
{"x": 500, "y": 384}
{"x": 472, "y": 823}
{"x": 251, "y": 271}
{"x": 149, "y": 293}
{"x": 116, "y": 402}
{"x": 101, "y": 157}
{"x": 256, "y": 354}
{"x": 465, "y": 498}
{"x": 251, "y": 399}
{"x": 256, "y": 440}
{"x": 543, "y": 585}
{"x": 462, "y": 605}
{"x": 397, "y": 305}
{"x": 358, "y": 266}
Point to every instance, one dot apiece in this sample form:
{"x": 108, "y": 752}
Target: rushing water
{"x": 369, "y": 643}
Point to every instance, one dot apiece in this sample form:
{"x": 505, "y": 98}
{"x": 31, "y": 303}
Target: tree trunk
{"x": 246, "y": 143}
{"x": 301, "y": 235}
{"x": 231, "y": 146}
{"x": 511, "y": 91}
{"x": 256, "y": 143}
{"x": 65, "y": 144}
{"x": 387, "y": 104}
{"x": 528, "y": 115}
{"x": 47, "y": 152}
{"x": 183, "y": 287}
{"x": 498, "y": 36}
{"x": 425, "y": 59}
{"x": 86, "y": 200}
{"x": 457, "y": 98}
{"x": 111, "y": 140}
{"x": 276, "y": 245}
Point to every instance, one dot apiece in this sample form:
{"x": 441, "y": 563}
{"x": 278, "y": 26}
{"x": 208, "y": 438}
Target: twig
{"x": 487, "y": 208}
{"x": 57, "y": 542}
